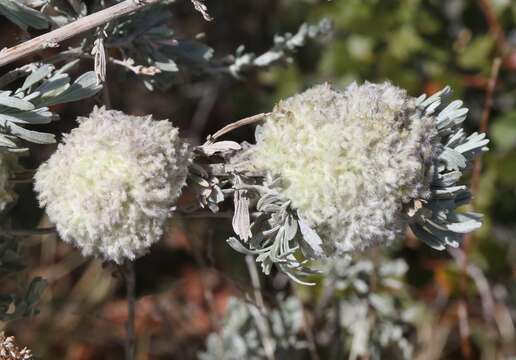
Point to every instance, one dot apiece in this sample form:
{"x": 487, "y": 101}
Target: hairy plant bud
{"x": 112, "y": 183}
{"x": 361, "y": 164}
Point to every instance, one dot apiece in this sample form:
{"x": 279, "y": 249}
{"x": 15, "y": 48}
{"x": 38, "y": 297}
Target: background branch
{"x": 53, "y": 38}
{"x": 130, "y": 340}
{"x": 484, "y": 123}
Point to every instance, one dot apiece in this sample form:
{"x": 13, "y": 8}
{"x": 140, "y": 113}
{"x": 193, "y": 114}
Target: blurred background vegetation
{"x": 467, "y": 297}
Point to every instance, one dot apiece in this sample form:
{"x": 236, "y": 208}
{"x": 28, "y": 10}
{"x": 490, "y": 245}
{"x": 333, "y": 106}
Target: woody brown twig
{"x": 54, "y": 38}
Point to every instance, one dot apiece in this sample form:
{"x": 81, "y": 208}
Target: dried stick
{"x": 235, "y": 125}
{"x": 53, "y": 38}
{"x": 130, "y": 339}
{"x": 484, "y": 123}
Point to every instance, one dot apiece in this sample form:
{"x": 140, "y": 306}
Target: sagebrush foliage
{"x": 353, "y": 169}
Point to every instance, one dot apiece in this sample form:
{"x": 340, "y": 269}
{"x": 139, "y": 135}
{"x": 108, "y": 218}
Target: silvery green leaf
{"x": 37, "y": 75}
{"x": 448, "y": 192}
{"x": 449, "y": 110}
{"x": 241, "y": 219}
{"x": 202, "y": 8}
{"x": 268, "y": 58}
{"x": 217, "y": 195}
{"x": 295, "y": 278}
{"x": 423, "y": 102}
{"x": 420, "y": 99}
{"x": 266, "y": 199}
{"x": 6, "y": 141}
{"x": 68, "y": 66}
{"x": 360, "y": 286}
{"x": 454, "y": 160}
{"x": 456, "y": 138}
{"x": 382, "y": 303}
{"x": 361, "y": 334}
{"x": 31, "y": 97}
{"x": 447, "y": 179}
{"x": 32, "y": 136}
{"x": 163, "y": 62}
{"x": 266, "y": 265}
{"x": 39, "y": 116}
{"x": 54, "y": 86}
{"x": 191, "y": 51}
{"x": 16, "y": 103}
{"x": 431, "y": 240}
{"x": 464, "y": 223}
{"x": 393, "y": 283}
{"x": 23, "y": 16}
{"x": 219, "y": 146}
{"x": 84, "y": 86}
{"x": 270, "y": 208}
{"x": 473, "y": 144}
{"x": 453, "y": 114}
{"x": 430, "y": 109}
{"x": 312, "y": 241}
{"x": 464, "y": 227}
{"x": 397, "y": 268}
{"x": 441, "y": 232}
{"x": 290, "y": 227}
{"x": 283, "y": 47}
{"x": 237, "y": 246}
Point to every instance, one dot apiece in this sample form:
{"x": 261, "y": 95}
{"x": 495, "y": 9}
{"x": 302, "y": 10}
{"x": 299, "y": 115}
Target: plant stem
{"x": 30, "y": 232}
{"x": 484, "y": 123}
{"x": 495, "y": 28}
{"x": 236, "y": 125}
{"x": 130, "y": 340}
{"x": 53, "y": 38}
{"x": 261, "y": 322}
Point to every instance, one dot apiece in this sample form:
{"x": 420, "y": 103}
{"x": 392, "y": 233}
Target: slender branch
{"x": 464, "y": 329}
{"x": 261, "y": 322}
{"x": 79, "y": 53}
{"x": 130, "y": 340}
{"x": 484, "y": 289}
{"x": 255, "y": 281}
{"x": 207, "y": 289}
{"x": 29, "y": 232}
{"x": 235, "y": 125}
{"x": 310, "y": 336}
{"x": 484, "y": 123}
{"x": 53, "y": 38}
{"x": 495, "y": 28}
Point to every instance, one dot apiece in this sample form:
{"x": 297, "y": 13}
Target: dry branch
{"x": 484, "y": 123}
{"x": 54, "y": 38}
{"x": 235, "y": 125}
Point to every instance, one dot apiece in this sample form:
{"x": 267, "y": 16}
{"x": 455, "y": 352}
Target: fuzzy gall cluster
{"x": 349, "y": 161}
{"x": 112, "y": 183}
{"x": 360, "y": 165}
